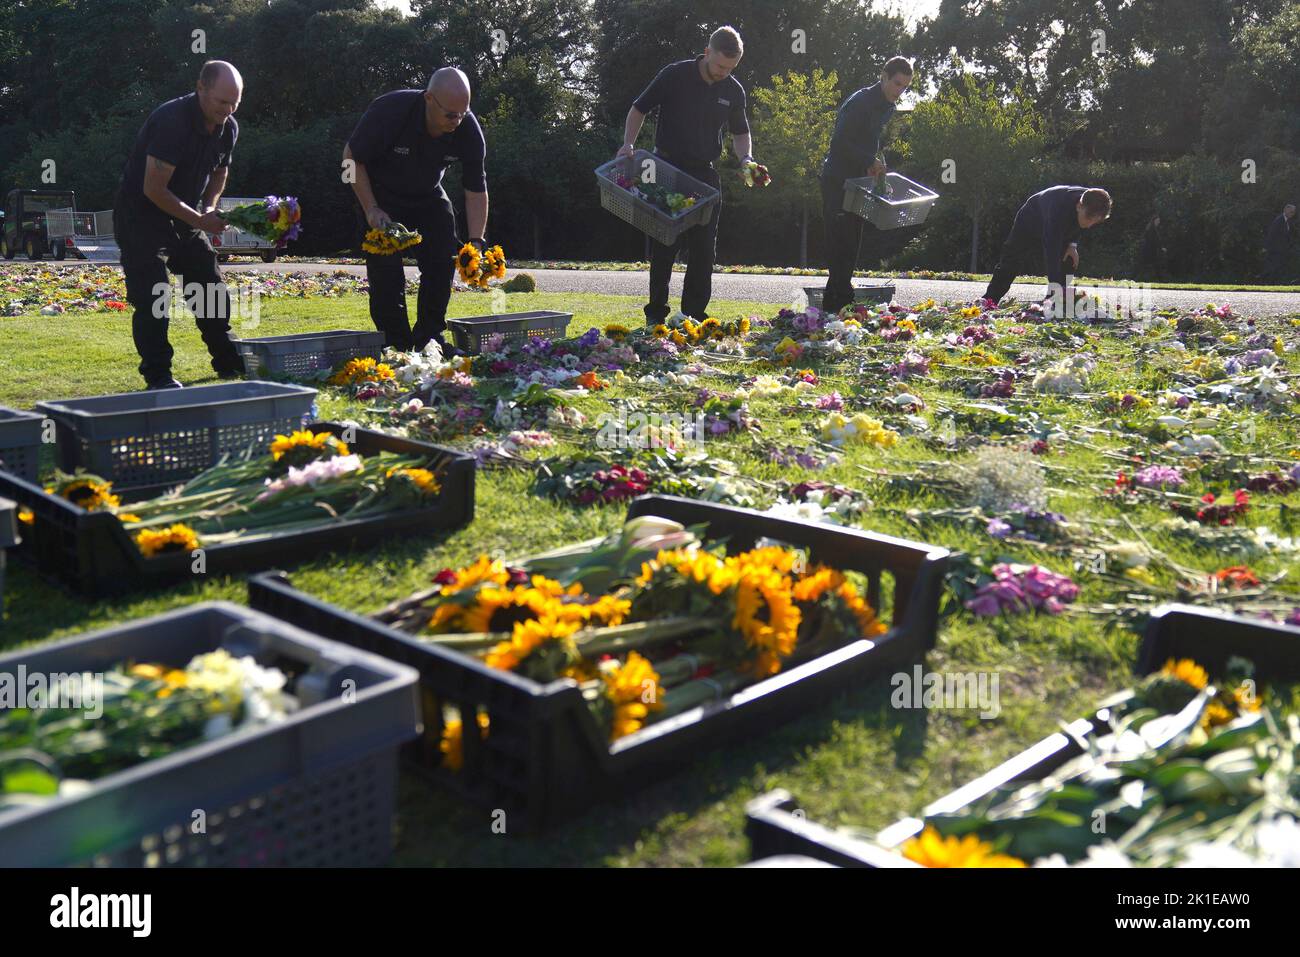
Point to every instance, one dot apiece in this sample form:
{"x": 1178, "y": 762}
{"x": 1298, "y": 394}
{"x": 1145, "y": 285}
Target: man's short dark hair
{"x": 1096, "y": 202}
{"x": 896, "y": 65}
{"x": 727, "y": 42}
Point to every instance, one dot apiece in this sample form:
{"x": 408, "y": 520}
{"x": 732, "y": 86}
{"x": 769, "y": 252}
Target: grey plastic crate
{"x": 879, "y": 291}
{"x": 149, "y": 440}
{"x": 469, "y": 332}
{"x": 305, "y": 353}
{"x": 8, "y": 539}
{"x": 654, "y": 222}
{"x": 20, "y": 442}
{"x": 908, "y": 205}
{"x": 316, "y": 789}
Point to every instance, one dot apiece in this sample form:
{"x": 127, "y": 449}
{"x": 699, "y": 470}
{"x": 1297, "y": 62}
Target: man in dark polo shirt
{"x": 696, "y": 98}
{"x": 165, "y": 206}
{"x": 855, "y": 152}
{"x": 1048, "y": 225}
{"x": 401, "y": 147}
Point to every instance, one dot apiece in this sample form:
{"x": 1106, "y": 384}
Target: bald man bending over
{"x": 165, "y": 208}
{"x": 401, "y": 147}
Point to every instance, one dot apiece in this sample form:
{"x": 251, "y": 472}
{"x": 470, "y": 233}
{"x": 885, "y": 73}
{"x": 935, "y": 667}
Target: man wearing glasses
{"x": 400, "y": 148}
{"x": 696, "y": 98}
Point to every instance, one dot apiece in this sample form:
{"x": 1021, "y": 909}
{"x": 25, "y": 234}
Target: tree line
{"x": 1178, "y": 107}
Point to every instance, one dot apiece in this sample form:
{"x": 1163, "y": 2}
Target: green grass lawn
{"x": 855, "y": 760}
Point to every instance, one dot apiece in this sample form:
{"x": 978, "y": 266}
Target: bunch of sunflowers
{"x": 477, "y": 268}
{"x": 393, "y": 238}
{"x": 647, "y": 631}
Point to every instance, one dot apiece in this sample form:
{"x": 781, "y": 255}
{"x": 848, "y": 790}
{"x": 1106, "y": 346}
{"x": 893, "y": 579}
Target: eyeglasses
{"x": 447, "y": 113}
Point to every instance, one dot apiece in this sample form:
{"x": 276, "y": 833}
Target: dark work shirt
{"x": 404, "y": 162}
{"x": 855, "y": 142}
{"x": 175, "y": 133}
{"x": 1279, "y": 235}
{"x": 1050, "y": 216}
{"x": 692, "y": 113}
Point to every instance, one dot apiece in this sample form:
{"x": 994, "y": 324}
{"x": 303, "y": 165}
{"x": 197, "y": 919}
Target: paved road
{"x": 783, "y": 289}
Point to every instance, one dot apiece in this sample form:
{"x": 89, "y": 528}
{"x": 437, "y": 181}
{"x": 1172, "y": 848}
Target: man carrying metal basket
{"x": 855, "y": 152}
{"x": 695, "y": 98}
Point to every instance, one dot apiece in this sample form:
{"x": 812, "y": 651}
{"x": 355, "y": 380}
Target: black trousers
{"x": 1274, "y": 266}
{"x": 1021, "y": 248}
{"x": 435, "y": 256}
{"x": 701, "y": 245}
{"x": 845, "y": 234}
{"x": 147, "y": 255}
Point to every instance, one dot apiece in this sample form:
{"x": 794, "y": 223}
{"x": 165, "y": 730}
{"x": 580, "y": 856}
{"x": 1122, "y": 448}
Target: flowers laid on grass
{"x": 393, "y": 238}
{"x": 861, "y": 429}
{"x": 1019, "y": 588}
{"x": 150, "y": 710}
{"x": 275, "y": 219}
{"x": 355, "y": 372}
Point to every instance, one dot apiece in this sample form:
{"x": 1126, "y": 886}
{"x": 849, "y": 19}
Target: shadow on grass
{"x": 437, "y": 828}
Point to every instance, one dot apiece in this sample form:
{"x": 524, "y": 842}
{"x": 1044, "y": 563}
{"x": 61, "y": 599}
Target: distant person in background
{"x": 696, "y": 99}
{"x": 855, "y": 152}
{"x": 1151, "y": 252}
{"x": 1277, "y": 244}
{"x": 1048, "y": 225}
{"x": 402, "y": 145}
{"x": 166, "y": 203}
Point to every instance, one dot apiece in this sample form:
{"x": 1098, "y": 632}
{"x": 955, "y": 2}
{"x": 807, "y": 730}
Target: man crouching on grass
{"x": 1050, "y": 222}
{"x": 166, "y": 202}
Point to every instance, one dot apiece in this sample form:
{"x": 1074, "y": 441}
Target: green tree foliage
{"x": 974, "y": 145}
{"x": 796, "y": 115}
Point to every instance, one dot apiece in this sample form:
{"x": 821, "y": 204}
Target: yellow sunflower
{"x": 634, "y": 690}
{"x": 527, "y": 637}
{"x": 617, "y": 331}
{"x": 89, "y": 492}
{"x": 452, "y": 745}
{"x": 468, "y": 261}
{"x": 177, "y": 538}
{"x": 1186, "y": 670}
{"x": 931, "y": 850}
{"x": 660, "y": 331}
{"x": 172, "y": 678}
{"x": 768, "y": 618}
{"x": 422, "y": 479}
{"x": 306, "y": 440}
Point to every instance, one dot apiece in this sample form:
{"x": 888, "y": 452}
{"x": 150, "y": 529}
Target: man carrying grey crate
{"x": 855, "y": 152}
{"x": 696, "y": 98}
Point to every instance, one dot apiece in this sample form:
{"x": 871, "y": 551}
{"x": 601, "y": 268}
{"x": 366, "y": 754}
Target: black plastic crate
{"x": 876, "y": 291}
{"x": 93, "y": 552}
{"x": 8, "y": 539}
{"x": 20, "y": 442}
{"x": 316, "y": 789}
{"x": 151, "y": 440}
{"x": 306, "y": 353}
{"x": 544, "y": 758}
{"x": 470, "y": 332}
{"x": 775, "y": 825}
